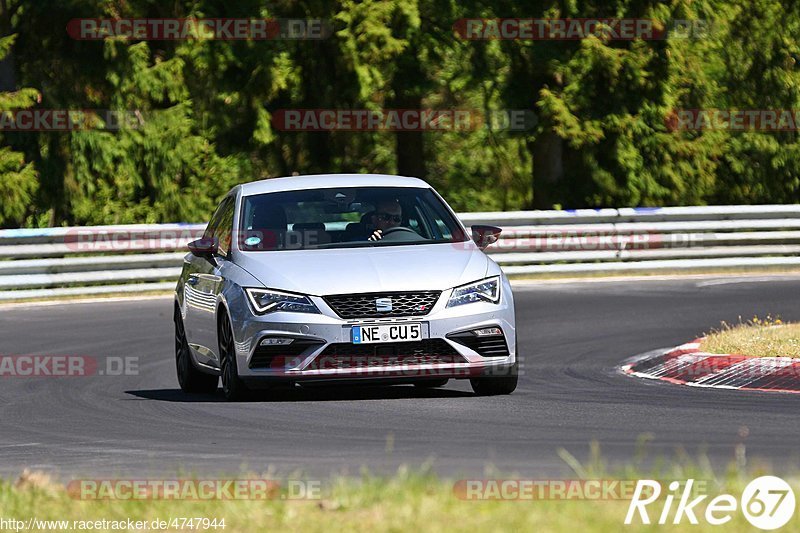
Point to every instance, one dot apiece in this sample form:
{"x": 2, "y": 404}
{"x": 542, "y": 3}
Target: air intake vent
{"x": 487, "y": 346}
{"x": 346, "y": 355}
{"x": 265, "y": 356}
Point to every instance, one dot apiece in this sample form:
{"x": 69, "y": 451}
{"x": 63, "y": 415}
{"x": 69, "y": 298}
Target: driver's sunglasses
{"x": 386, "y": 217}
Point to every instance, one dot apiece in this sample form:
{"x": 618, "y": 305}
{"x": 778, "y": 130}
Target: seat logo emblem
{"x": 383, "y": 305}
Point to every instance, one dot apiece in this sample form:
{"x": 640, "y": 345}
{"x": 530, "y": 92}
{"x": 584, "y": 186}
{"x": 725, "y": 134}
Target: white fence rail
{"x": 41, "y": 263}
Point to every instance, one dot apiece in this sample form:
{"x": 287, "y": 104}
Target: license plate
{"x": 373, "y": 333}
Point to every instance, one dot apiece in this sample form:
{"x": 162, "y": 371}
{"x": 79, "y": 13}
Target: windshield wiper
{"x": 352, "y": 244}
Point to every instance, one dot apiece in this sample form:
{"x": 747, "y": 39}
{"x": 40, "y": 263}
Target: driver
{"x": 388, "y": 215}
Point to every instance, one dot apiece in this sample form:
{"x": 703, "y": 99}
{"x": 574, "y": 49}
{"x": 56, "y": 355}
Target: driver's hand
{"x": 376, "y": 235}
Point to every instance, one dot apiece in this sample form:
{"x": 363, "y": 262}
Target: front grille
{"x": 347, "y": 355}
{"x": 276, "y": 355}
{"x": 364, "y": 305}
{"x": 489, "y": 346}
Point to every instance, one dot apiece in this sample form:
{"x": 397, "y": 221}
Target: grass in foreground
{"x": 768, "y": 337}
{"x": 405, "y": 502}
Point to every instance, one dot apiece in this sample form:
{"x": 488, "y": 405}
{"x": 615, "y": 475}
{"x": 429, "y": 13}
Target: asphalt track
{"x": 572, "y": 335}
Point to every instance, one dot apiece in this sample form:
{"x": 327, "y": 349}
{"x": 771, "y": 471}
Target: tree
{"x": 19, "y": 180}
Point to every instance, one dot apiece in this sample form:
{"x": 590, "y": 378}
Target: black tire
{"x": 431, "y": 383}
{"x": 190, "y": 378}
{"x": 232, "y": 385}
{"x": 494, "y": 386}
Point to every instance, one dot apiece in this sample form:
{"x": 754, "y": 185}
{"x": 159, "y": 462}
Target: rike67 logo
{"x": 767, "y": 502}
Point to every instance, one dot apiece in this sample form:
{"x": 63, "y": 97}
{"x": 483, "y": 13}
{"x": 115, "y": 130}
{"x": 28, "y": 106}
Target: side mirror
{"x": 205, "y": 247}
{"x": 485, "y": 235}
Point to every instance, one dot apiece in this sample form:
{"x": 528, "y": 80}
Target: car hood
{"x": 375, "y": 269}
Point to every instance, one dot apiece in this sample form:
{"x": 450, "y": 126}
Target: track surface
{"x": 572, "y": 335}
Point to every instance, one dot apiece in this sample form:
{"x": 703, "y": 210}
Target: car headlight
{"x": 485, "y": 290}
{"x": 266, "y": 301}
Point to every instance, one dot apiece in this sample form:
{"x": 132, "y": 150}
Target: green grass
{"x": 768, "y": 337}
{"x": 407, "y": 501}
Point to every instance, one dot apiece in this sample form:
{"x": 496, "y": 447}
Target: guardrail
{"x": 48, "y": 262}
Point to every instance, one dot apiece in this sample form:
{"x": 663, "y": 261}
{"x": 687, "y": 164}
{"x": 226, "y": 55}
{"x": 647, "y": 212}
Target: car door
{"x": 203, "y": 283}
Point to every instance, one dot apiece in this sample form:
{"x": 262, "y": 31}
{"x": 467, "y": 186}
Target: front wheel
{"x": 493, "y": 386}
{"x": 190, "y": 378}
{"x": 232, "y": 385}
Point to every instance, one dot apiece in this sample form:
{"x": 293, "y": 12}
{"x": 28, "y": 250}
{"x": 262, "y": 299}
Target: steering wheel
{"x": 398, "y": 228}
{"x": 401, "y": 234}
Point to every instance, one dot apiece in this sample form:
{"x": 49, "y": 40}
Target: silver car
{"x": 345, "y": 278}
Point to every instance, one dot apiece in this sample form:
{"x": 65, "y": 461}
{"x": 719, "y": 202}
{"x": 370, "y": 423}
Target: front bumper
{"x": 321, "y": 347}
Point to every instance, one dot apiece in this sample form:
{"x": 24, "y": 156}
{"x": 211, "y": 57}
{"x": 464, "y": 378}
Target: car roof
{"x": 328, "y": 181}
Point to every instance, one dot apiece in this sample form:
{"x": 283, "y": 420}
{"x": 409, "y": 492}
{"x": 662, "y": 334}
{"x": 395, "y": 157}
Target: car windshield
{"x": 347, "y": 217}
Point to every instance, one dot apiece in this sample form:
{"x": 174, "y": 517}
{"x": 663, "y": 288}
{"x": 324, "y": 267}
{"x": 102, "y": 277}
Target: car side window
{"x": 435, "y": 215}
{"x": 221, "y": 225}
{"x": 224, "y": 230}
{"x": 213, "y": 224}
